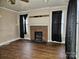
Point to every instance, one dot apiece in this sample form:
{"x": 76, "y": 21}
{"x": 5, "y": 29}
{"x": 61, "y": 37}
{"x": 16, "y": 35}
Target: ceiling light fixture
{"x": 11, "y": 1}
{"x": 25, "y": 0}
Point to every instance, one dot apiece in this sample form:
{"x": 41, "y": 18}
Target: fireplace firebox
{"x": 38, "y": 36}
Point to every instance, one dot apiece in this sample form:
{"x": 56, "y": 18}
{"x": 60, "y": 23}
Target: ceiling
{"x": 33, "y": 4}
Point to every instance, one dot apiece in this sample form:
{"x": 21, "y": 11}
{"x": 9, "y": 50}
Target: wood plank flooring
{"x": 22, "y": 49}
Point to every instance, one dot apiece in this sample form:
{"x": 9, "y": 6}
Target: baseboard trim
{"x": 57, "y": 42}
{"x": 25, "y": 38}
{"x": 8, "y": 42}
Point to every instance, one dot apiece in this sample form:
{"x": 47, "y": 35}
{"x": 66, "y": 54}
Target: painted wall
{"x": 8, "y": 25}
{"x": 46, "y": 21}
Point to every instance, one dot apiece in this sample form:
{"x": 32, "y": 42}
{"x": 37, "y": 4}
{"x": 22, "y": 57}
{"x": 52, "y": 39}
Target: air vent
{"x": 25, "y": 0}
{"x": 38, "y": 16}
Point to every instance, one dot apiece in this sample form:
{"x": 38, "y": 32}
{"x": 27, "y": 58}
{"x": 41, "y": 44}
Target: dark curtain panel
{"x": 56, "y": 26}
{"x": 23, "y": 25}
{"x": 70, "y": 41}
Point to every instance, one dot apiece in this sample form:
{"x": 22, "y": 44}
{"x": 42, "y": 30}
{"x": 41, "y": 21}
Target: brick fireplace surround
{"x": 43, "y": 29}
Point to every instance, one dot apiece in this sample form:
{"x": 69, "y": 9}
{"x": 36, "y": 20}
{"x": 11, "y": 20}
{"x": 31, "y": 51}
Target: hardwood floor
{"x": 22, "y": 49}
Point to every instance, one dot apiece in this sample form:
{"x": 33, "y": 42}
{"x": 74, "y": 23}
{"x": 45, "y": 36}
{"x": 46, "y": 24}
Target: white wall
{"x": 8, "y": 25}
{"x": 46, "y": 21}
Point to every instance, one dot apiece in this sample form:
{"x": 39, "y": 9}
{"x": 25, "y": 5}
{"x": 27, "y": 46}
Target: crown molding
{"x": 9, "y": 9}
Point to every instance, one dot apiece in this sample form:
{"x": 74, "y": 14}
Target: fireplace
{"x": 38, "y": 36}
{"x": 39, "y": 33}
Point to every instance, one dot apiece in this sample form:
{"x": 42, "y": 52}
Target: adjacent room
{"x": 39, "y": 29}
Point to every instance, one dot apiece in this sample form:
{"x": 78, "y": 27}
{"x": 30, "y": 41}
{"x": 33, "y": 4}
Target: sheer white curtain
{"x": 25, "y": 24}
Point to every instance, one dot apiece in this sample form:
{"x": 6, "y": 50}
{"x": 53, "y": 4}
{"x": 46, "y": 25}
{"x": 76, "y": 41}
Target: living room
{"x": 38, "y": 24}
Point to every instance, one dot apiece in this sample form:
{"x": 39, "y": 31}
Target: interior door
{"x": 56, "y": 25}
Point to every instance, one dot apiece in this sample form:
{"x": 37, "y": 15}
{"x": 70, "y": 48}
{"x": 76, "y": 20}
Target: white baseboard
{"x": 12, "y": 40}
{"x": 63, "y": 42}
{"x": 8, "y": 42}
{"x": 27, "y": 38}
{"x": 57, "y": 42}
